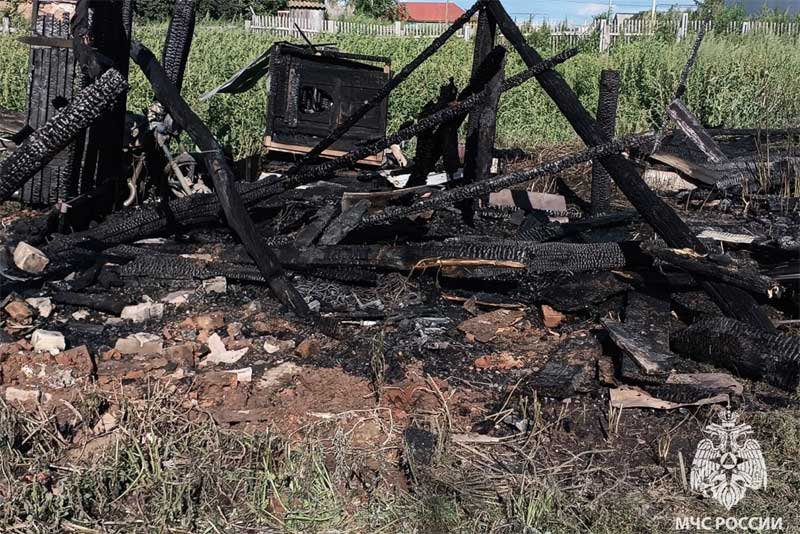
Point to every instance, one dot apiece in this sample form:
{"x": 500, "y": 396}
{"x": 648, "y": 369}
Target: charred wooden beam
{"x": 229, "y": 198}
{"x": 650, "y": 359}
{"x": 344, "y": 223}
{"x": 50, "y": 139}
{"x": 394, "y": 82}
{"x": 100, "y": 302}
{"x": 730, "y": 273}
{"x": 653, "y": 210}
{"x": 607, "y": 121}
{"x": 743, "y": 349}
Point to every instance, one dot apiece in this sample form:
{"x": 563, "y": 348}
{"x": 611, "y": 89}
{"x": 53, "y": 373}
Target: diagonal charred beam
{"x": 379, "y": 97}
{"x": 654, "y": 210}
{"x": 229, "y": 198}
{"x": 178, "y": 41}
{"x": 607, "y": 121}
{"x": 487, "y": 186}
{"x": 743, "y": 349}
{"x": 42, "y": 145}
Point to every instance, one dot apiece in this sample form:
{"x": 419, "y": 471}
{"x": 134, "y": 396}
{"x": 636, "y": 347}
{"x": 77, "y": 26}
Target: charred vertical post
{"x": 430, "y": 143}
{"x": 607, "y": 121}
{"x": 654, "y": 211}
{"x": 480, "y": 139}
{"x": 231, "y": 202}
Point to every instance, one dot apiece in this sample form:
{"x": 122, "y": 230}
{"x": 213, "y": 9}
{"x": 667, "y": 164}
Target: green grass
{"x": 738, "y": 82}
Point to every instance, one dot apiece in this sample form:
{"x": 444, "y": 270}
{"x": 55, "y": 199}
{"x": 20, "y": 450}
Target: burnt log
{"x": 533, "y": 258}
{"x": 222, "y": 176}
{"x": 344, "y": 223}
{"x": 607, "y": 121}
{"x": 429, "y": 143}
{"x": 730, "y": 273}
{"x": 654, "y": 211}
{"x": 87, "y": 107}
{"x": 743, "y": 349}
{"x": 381, "y": 95}
{"x": 178, "y": 41}
{"x": 100, "y": 302}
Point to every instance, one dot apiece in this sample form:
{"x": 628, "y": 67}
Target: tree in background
{"x": 217, "y": 9}
{"x": 379, "y": 9}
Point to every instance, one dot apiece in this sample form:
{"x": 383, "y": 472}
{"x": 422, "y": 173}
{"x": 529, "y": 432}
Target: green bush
{"x": 737, "y": 82}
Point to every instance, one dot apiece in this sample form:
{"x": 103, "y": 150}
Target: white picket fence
{"x": 285, "y": 26}
{"x": 627, "y": 30}
{"x": 617, "y": 31}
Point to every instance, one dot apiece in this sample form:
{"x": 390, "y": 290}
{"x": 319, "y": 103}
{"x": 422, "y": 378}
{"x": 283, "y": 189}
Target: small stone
{"x": 208, "y": 321}
{"x": 218, "y": 284}
{"x": 308, "y": 348}
{"x": 43, "y": 306}
{"x": 278, "y": 375}
{"x": 48, "y": 340}
{"x": 273, "y": 345}
{"x": 176, "y": 298}
{"x": 106, "y": 423}
{"x": 23, "y": 396}
{"x": 142, "y": 312}
{"x": 234, "y": 329}
{"x": 244, "y": 375}
{"x": 551, "y": 317}
{"x": 77, "y": 360}
{"x": 19, "y": 311}
{"x": 80, "y": 315}
{"x": 140, "y": 343}
{"x": 30, "y": 259}
{"x": 219, "y": 354}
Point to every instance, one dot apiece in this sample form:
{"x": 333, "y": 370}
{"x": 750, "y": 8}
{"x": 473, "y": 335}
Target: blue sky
{"x": 577, "y": 11}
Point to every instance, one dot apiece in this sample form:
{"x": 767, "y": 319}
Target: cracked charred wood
{"x": 305, "y": 236}
{"x": 607, "y": 122}
{"x": 230, "y": 200}
{"x": 536, "y": 258}
{"x": 100, "y": 302}
{"x": 654, "y": 211}
{"x": 729, "y": 273}
{"x": 650, "y": 359}
{"x": 485, "y": 187}
{"x": 690, "y": 126}
{"x": 381, "y": 95}
{"x": 479, "y": 150}
{"x": 747, "y": 351}
{"x": 178, "y": 41}
{"x": 47, "y": 141}
{"x": 344, "y": 223}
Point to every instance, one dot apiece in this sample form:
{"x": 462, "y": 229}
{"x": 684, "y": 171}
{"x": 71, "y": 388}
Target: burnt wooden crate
{"x": 52, "y": 84}
{"x": 311, "y": 93}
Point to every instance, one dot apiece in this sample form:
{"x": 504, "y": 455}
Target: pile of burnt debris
{"x": 659, "y": 298}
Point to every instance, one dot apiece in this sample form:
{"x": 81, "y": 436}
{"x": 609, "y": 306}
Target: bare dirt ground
{"x": 236, "y": 417}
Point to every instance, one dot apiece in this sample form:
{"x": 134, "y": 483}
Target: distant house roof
{"x": 305, "y": 4}
{"x": 430, "y": 11}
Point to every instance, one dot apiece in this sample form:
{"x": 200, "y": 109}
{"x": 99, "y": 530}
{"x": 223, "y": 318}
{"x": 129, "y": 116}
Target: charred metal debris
{"x": 707, "y": 216}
